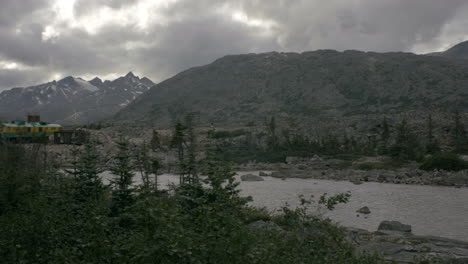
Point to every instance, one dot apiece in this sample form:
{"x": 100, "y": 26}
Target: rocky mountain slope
{"x": 325, "y": 83}
{"x": 459, "y": 51}
{"x": 73, "y": 100}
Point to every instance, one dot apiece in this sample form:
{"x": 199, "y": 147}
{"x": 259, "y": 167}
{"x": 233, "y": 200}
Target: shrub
{"x": 444, "y": 161}
{"x": 227, "y": 134}
{"x": 387, "y": 165}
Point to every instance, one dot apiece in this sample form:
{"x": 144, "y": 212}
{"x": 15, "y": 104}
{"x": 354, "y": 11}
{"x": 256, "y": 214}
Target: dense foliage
{"x": 273, "y": 143}
{"x": 49, "y": 216}
{"x": 444, "y": 161}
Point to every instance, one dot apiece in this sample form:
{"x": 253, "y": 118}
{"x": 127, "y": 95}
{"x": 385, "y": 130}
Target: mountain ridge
{"x": 247, "y": 87}
{"x": 72, "y": 100}
{"x": 458, "y": 51}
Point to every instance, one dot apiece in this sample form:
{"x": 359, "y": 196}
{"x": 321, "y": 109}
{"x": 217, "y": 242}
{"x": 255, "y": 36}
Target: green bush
{"x": 227, "y": 134}
{"x": 387, "y": 165}
{"x": 444, "y": 161}
{"x": 62, "y": 219}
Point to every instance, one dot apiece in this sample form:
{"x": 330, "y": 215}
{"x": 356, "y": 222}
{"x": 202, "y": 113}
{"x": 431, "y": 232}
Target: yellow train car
{"x": 26, "y": 130}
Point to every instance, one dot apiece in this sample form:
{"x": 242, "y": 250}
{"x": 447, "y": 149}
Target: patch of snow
{"x": 86, "y": 85}
{"x": 38, "y": 100}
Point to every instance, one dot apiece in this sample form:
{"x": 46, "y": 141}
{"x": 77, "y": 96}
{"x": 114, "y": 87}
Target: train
{"x": 27, "y": 130}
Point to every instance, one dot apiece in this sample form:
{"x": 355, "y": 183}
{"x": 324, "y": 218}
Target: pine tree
{"x": 190, "y": 165}
{"x": 178, "y": 142}
{"x": 155, "y": 166}
{"x": 155, "y": 142}
{"x": 273, "y": 139}
{"x": 122, "y": 193}
{"x": 74, "y": 162}
{"x": 432, "y": 143}
{"x": 143, "y": 164}
{"x": 459, "y": 137}
{"x": 406, "y": 145}
{"x": 85, "y": 171}
{"x": 88, "y": 183}
{"x": 384, "y": 137}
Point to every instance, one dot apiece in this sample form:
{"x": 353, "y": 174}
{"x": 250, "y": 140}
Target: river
{"x": 430, "y": 210}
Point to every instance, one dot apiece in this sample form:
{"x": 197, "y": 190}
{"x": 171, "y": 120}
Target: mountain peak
{"x": 147, "y": 81}
{"x": 130, "y": 74}
{"x": 96, "y": 81}
{"x": 459, "y": 51}
{"x": 69, "y": 80}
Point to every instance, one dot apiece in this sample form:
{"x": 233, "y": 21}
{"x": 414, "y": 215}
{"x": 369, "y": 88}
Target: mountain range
{"x": 73, "y": 100}
{"x": 238, "y": 89}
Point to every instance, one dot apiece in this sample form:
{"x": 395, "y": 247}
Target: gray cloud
{"x": 13, "y": 11}
{"x": 187, "y": 33}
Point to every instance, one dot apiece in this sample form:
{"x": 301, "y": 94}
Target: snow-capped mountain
{"x": 73, "y": 100}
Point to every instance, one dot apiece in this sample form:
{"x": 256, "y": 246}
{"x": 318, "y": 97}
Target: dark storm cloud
{"x": 12, "y": 11}
{"x": 105, "y": 37}
{"x": 200, "y": 41}
{"x": 16, "y": 78}
{"x": 382, "y": 25}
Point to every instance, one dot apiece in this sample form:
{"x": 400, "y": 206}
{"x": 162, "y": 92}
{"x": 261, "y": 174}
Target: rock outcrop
{"x": 364, "y": 210}
{"x": 405, "y": 247}
{"x": 251, "y": 177}
{"x": 394, "y": 226}
{"x": 397, "y": 176}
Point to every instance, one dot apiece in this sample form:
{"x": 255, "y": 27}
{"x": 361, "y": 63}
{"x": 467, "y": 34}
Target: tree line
{"x": 274, "y": 144}
{"x": 54, "y": 215}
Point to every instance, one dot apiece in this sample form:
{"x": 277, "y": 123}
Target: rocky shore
{"x": 340, "y": 170}
{"x": 401, "y": 176}
{"x": 395, "y": 242}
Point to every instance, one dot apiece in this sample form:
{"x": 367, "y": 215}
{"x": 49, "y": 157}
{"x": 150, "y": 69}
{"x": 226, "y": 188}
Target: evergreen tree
{"x": 74, "y": 162}
{"x": 155, "y": 142}
{"x": 190, "y": 165}
{"x": 459, "y": 137}
{"x": 155, "y": 166}
{"x": 89, "y": 186}
{"x": 406, "y": 145}
{"x": 272, "y": 139}
{"x": 384, "y": 137}
{"x": 122, "y": 183}
{"x": 432, "y": 143}
{"x": 178, "y": 142}
{"x": 144, "y": 165}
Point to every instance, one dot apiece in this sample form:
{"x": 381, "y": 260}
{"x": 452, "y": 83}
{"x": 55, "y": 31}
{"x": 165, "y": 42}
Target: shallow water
{"x": 430, "y": 210}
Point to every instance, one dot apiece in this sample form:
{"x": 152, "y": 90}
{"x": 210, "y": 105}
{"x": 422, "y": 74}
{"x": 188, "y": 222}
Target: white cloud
{"x": 49, "y": 34}
{"x": 13, "y": 65}
{"x": 267, "y": 26}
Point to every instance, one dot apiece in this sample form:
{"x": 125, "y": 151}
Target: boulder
{"x": 356, "y": 181}
{"x": 364, "y": 210}
{"x": 281, "y": 174}
{"x": 251, "y": 177}
{"x": 394, "y": 226}
{"x": 263, "y": 173}
{"x": 406, "y": 247}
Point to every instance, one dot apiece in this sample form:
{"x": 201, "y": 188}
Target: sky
{"x": 44, "y": 40}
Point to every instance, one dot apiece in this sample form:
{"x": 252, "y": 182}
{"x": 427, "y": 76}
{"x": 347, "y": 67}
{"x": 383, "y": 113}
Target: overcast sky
{"x": 43, "y": 40}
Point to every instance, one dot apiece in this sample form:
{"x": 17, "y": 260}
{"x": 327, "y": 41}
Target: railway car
{"x": 27, "y": 130}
